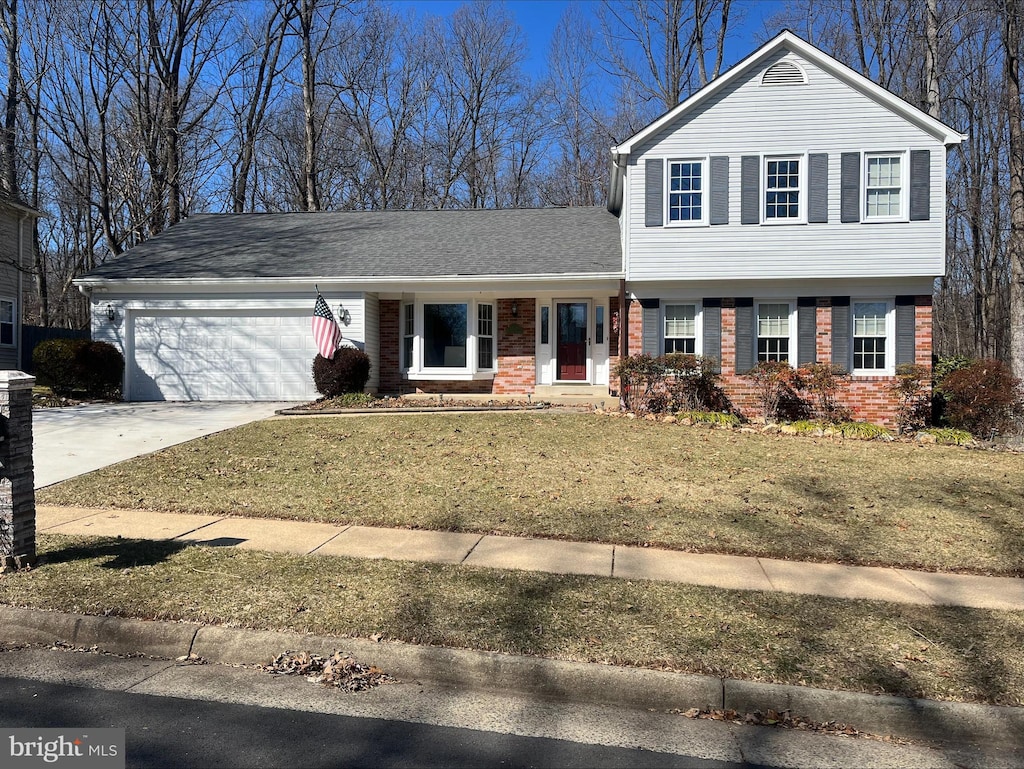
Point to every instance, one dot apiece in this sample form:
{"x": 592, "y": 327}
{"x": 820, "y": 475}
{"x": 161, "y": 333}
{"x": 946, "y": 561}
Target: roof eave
{"x": 356, "y": 281}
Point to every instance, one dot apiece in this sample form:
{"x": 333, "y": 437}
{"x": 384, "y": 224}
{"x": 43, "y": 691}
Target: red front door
{"x": 571, "y": 344}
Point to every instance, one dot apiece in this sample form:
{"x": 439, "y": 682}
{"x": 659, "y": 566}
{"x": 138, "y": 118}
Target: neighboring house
{"x": 790, "y": 210}
{"x": 16, "y": 263}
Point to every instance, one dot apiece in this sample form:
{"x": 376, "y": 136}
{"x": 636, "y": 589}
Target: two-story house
{"x": 790, "y": 210}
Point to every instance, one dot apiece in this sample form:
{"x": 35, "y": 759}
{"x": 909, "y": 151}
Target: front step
{"x": 569, "y": 394}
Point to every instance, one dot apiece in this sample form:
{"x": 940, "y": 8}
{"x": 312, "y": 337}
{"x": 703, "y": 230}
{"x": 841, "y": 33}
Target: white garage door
{"x": 255, "y": 355}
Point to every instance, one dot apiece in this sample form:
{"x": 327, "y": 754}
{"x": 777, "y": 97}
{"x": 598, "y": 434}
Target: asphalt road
{"x": 172, "y": 732}
{"x": 185, "y": 715}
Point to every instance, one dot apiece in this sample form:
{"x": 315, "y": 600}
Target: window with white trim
{"x": 408, "y": 335}
{"x": 681, "y": 328}
{"x": 449, "y": 339}
{"x": 485, "y": 336}
{"x": 884, "y": 178}
{"x": 870, "y": 337}
{"x": 773, "y": 332}
{"x": 782, "y": 198}
{"x": 6, "y": 322}
{"x": 686, "y": 192}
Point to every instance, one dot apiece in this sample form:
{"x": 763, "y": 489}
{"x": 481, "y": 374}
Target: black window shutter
{"x": 817, "y": 188}
{"x": 750, "y": 189}
{"x": 746, "y": 333}
{"x": 849, "y": 187}
{"x": 806, "y": 330}
{"x": 712, "y": 317}
{"x": 906, "y": 336}
{"x": 654, "y": 179}
{"x": 720, "y": 189}
{"x": 652, "y": 326}
{"x": 842, "y": 332}
{"x": 920, "y": 185}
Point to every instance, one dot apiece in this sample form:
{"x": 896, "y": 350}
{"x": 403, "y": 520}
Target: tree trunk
{"x": 1015, "y": 244}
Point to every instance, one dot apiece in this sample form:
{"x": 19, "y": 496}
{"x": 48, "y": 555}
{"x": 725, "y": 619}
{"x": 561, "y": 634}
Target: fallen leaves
{"x": 781, "y": 719}
{"x": 338, "y": 670}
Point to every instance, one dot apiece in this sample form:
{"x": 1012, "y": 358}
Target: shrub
{"x": 693, "y": 383}
{"x": 863, "y": 431}
{"x": 983, "y": 398}
{"x": 54, "y": 364}
{"x": 347, "y": 372}
{"x": 79, "y": 365}
{"x": 912, "y": 405}
{"x": 823, "y": 381}
{"x": 641, "y": 378}
{"x": 101, "y": 368}
{"x": 778, "y": 385}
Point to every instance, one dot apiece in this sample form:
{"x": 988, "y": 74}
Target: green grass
{"x": 592, "y": 478}
{"x": 869, "y": 646}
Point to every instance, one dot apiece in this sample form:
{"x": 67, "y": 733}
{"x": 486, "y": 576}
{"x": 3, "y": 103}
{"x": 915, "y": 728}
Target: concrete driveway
{"x": 79, "y": 439}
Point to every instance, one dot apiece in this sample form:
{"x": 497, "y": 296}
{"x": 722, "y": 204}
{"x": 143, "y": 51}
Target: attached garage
{"x": 255, "y": 355}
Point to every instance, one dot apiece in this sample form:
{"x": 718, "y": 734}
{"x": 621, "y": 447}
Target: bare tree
{"x": 660, "y": 47}
{"x": 1011, "y": 10}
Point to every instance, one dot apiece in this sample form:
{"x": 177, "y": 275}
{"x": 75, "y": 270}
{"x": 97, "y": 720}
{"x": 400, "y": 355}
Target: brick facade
{"x": 867, "y": 397}
{"x": 516, "y": 348}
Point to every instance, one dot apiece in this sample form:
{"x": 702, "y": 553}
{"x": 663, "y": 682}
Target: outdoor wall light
{"x": 515, "y": 309}
{"x": 344, "y": 315}
{"x": 111, "y": 313}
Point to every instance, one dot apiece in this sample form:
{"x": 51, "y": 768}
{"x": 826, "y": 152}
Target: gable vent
{"x": 784, "y": 73}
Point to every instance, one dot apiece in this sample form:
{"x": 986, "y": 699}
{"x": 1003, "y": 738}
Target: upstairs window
{"x": 782, "y": 197}
{"x": 883, "y": 187}
{"x": 773, "y": 332}
{"x": 685, "y": 191}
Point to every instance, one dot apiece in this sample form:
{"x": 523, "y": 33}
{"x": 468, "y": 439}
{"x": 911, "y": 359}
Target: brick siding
{"x": 867, "y": 397}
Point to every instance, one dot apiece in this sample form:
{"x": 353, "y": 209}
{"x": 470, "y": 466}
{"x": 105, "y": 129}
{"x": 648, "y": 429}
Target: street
{"x": 205, "y": 715}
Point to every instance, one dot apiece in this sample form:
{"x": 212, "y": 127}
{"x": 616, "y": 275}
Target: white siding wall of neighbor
{"x": 746, "y": 118}
{"x": 9, "y": 225}
{"x": 194, "y": 348}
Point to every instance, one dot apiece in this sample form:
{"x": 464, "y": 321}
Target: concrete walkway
{"x": 553, "y": 556}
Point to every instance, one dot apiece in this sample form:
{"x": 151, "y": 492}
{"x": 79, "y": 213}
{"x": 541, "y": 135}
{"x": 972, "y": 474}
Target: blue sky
{"x": 538, "y": 19}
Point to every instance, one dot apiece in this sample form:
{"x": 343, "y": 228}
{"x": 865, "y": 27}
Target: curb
{"x": 591, "y": 683}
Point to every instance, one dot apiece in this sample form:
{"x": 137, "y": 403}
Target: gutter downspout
{"x": 623, "y": 320}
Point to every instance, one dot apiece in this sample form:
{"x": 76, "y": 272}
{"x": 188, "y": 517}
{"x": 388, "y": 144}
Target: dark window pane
{"x": 688, "y": 346}
{"x": 485, "y": 352}
{"x": 444, "y": 335}
{"x": 599, "y": 324}
{"x": 544, "y": 324}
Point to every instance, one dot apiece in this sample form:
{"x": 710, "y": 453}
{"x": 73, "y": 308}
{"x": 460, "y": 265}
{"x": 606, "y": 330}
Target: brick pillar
{"x": 17, "y": 495}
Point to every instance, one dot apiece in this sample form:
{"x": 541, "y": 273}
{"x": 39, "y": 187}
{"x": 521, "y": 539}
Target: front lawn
{"x": 593, "y": 478}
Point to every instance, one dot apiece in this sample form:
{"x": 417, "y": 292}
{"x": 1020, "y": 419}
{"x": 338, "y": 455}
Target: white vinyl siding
{"x": 824, "y": 116}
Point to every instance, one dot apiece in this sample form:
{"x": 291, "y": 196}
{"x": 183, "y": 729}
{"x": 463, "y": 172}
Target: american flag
{"x": 326, "y": 331}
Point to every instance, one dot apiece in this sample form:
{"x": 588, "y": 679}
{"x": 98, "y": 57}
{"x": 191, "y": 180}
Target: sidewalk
{"x": 554, "y": 556}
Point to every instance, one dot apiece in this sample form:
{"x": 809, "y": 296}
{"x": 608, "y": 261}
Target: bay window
{"x": 445, "y": 339}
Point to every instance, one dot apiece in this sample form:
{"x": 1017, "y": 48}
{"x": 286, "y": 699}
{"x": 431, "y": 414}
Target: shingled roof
{"x": 382, "y": 244}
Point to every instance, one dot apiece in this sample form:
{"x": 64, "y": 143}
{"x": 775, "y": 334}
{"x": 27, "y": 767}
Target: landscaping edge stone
{"x": 903, "y": 717}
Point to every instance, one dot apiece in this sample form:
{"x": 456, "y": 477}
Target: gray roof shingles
{"x": 383, "y": 244}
